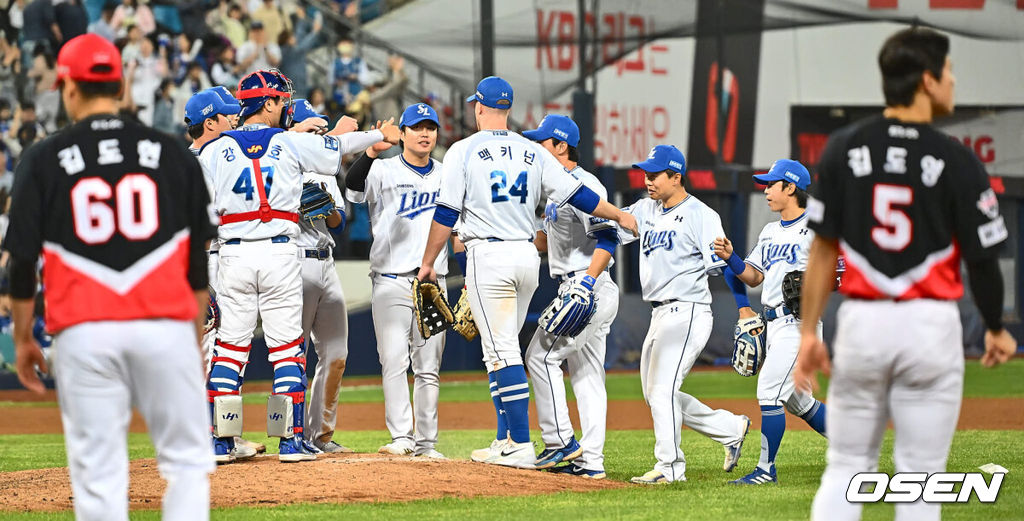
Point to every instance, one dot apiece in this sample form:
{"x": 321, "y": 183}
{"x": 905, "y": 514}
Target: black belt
{"x": 319, "y": 254}
{"x": 662, "y": 303}
{"x": 277, "y": 240}
{"x": 771, "y": 313}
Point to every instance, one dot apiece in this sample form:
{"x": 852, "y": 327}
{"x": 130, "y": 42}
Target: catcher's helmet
{"x": 259, "y": 87}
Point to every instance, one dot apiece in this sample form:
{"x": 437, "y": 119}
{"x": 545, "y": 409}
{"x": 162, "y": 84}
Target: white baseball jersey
{"x": 781, "y": 248}
{"x": 676, "y": 249}
{"x": 317, "y": 235}
{"x": 402, "y": 203}
{"x": 570, "y": 230}
{"x": 496, "y": 179}
{"x": 287, "y": 155}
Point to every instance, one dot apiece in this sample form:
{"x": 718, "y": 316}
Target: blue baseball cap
{"x": 786, "y": 170}
{"x": 226, "y": 95}
{"x": 206, "y": 104}
{"x": 557, "y": 126}
{"x": 663, "y": 157}
{"x": 304, "y": 111}
{"x": 418, "y": 112}
{"x": 493, "y": 92}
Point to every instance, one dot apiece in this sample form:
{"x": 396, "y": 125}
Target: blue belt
{"x": 319, "y": 254}
{"x": 277, "y": 240}
{"x": 774, "y": 313}
{"x": 495, "y": 239}
{"x": 662, "y": 303}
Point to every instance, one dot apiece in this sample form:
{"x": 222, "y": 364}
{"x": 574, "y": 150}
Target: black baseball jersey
{"x": 906, "y": 202}
{"x": 121, "y": 214}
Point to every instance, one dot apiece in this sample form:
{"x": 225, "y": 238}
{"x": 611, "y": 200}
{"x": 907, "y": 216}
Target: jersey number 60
{"x": 518, "y": 189}
{"x": 135, "y": 212}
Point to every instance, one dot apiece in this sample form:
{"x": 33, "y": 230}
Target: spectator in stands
{"x": 193, "y": 18}
{"x": 102, "y": 25}
{"x": 163, "y": 109}
{"x": 228, "y": 22}
{"x": 225, "y": 70}
{"x": 47, "y": 98}
{"x": 257, "y": 53}
{"x": 130, "y": 51}
{"x": 10, "y": 68}
{"x": 146, "y": 72}
{"x": 40, "y": 30}
{"x": 6, "y": 114}
{"x": 350, "y": 73}
{"x": 386, "y": 96}
{"x": 133, "y": 12}
{"x": 318, "y": 99}
{"x": 16, "y": 19}
{"x": 180, "y": 54}
{"x": 274, "y": 21}
{"x": 72, "y": 19}
{"x": 295, "y": 46}
{"x": 6, "y": 176}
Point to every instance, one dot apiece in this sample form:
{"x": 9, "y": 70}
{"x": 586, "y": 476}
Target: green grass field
{"x": 706, "y": 494}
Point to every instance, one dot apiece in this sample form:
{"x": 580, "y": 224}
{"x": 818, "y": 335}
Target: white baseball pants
{"x": 325, "y": 322}
{"x": 584, "y": 357}
{"x": 102, "y": 370}
{"x": 775, "y": 379}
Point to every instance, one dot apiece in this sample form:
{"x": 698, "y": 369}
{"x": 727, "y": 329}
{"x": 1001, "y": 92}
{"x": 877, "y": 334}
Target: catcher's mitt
{"x": 464, "y": 324}
{"x": 792, "y": 283}
{"x": 212, "y": 314}
{"x": 316, "y": 202}
{"x": 570, "y": 312}
{"x": 749, "y": 346}
{"x": 433, "y": 314}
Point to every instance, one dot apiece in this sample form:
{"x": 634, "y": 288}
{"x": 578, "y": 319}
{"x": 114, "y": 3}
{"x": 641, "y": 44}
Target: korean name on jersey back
{"x": 928, "y": 202}
{"x": 121, "y": 214}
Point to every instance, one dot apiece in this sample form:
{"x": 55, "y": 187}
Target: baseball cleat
{"x": 512, "y": 454}
{"x": 651, "y": 477}
{"x": 482, "y": 455}
{"x": 332, "y": 447}
{"x": 575, "y": 470}
{"x": 551, "y": 457}
{"x": 428, "y": 453}
{"x": 258, "y": 447}
{"x": 244, "y": 451}
{"x": 732, "y": 451}
{"x": 396, "y": 449}
{"x": 223, "y": 450}
{"x": 295, "y": 449}
{"x": 758, "y": 477}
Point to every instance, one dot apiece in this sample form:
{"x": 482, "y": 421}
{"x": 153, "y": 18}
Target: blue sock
{"x": 773, "y": 426}
{"x": 515, "y": 397}
{"x": 815, "y": 417}
{"x": 498, "y": 409}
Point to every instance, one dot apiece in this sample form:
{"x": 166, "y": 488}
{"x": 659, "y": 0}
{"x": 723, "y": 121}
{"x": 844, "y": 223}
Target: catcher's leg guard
{"x": 224, "y": 380}
{"x": 289, "y": 363}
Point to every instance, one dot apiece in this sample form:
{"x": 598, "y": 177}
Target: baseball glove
{"x": 749, "y": 346}
{"x": 433, "y": 314}
{"x": 464, "y": 324}
{"x": 570, "y": 312}
{"x": 792, "y": 283}
{"x": 316, "y": 202}
{"x": 212, "y": 315}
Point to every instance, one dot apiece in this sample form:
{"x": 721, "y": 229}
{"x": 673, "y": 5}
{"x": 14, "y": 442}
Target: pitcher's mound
{"x": 342, "y": 478}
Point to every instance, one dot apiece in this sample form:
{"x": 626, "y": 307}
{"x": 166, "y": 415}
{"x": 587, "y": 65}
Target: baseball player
{"x": 580, "y": 249}
{"x": 495, "y": 179}
{"x": 257, "y": 178}
{"x": 677, "y": 232}
{"x": 781, "y": 248}
{"x": 903, "y": 203}
{"x": 401, "y": 192}
{"x": 125, "y": 279}
{"x": 324, "y": 318}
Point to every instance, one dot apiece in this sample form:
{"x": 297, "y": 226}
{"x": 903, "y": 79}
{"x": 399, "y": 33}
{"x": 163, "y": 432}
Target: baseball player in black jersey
{"x": 904, "y": 204}
{"x": 120, "y": 214}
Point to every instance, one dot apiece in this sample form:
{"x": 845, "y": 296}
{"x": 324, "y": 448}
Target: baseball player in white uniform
{"x": 401, "y": 192}
{"x": 677, "y": 232}
{"x": 580, "y": 249}
{"x": 257, "y": 178}
{"x": 495, "y": 179}
{"x": 782, "y": 247}
{"x": 324, "y": 318}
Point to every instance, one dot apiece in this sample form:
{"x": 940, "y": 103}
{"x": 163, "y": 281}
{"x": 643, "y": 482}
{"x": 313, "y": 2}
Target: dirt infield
{"x": 349, "y": 478}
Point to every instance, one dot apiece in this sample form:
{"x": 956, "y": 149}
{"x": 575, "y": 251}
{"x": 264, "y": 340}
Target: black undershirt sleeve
{"x": 355, "y": 179}
{"x": 987, "y": 287}
{"x": 22, "y": 273}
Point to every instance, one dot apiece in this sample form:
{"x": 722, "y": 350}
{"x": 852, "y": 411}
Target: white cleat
{"x": 429, "y": 453}
{"x": 518, "y": 455}
{"x": 482, "y": 455}
{"x": 395, "y": 449}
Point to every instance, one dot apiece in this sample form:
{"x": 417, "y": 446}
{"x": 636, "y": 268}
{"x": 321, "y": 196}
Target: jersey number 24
{"x": 518, "y": 189}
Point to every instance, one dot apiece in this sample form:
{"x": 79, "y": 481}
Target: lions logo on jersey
{"x": 414, "y": 203}
{"x": 773, "y": 253}
{"x": 653, "y": 240}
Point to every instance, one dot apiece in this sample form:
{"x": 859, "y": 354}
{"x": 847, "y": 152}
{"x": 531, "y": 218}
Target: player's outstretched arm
{"x": 743, "y": 271}
{"x": 606, "y": 210}
{"x": 607, "y": 241}
{"x": 819, "y": 279}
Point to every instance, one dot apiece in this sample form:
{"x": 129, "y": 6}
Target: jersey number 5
{"x": 896, "y": 228}
{"x": 134, "y": 212}
{"x": 245, "y": 184}
{"x": 518, "y": 189}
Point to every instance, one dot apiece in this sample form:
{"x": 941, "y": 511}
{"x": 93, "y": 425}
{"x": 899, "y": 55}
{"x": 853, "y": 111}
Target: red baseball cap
{"x": 88, "y": 58}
